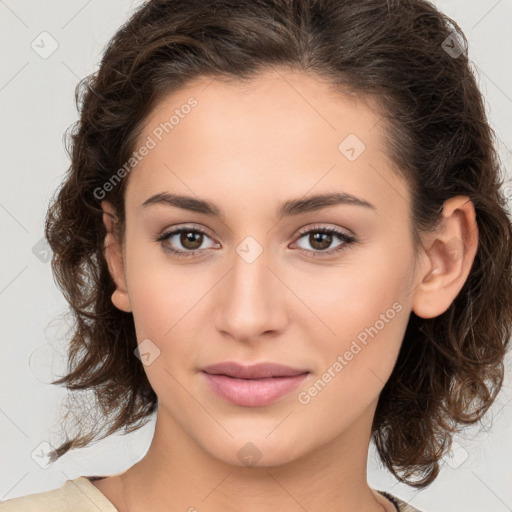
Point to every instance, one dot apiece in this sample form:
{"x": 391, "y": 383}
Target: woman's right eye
{"x": 189, "y": 238}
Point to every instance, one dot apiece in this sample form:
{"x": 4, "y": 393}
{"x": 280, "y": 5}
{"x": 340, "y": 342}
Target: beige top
{"x": 80, "y": 495}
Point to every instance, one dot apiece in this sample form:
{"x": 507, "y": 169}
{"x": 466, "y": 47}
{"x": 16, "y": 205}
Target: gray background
{"x": 37, "y": 105}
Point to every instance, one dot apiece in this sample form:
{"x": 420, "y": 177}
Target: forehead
{"x": 281, "y": 134}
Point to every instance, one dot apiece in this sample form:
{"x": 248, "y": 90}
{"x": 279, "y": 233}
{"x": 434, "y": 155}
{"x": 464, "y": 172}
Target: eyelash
{"x": 345, "y": 238}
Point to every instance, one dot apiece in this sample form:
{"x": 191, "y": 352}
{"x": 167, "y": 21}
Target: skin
{"x": 247, "y": 150}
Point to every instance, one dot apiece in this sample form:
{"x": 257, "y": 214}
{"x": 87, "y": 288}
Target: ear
{"x": 448, "y": 258}
{"x": 114, "y": 255}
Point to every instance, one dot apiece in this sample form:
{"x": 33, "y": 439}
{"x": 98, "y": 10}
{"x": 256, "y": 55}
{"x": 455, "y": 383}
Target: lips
{"x": 253, "y": 386}
{"x": 257, "y": 371}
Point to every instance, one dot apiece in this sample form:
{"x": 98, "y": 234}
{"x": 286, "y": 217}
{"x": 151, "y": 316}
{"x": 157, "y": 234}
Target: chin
{"x": 255, "y": 451}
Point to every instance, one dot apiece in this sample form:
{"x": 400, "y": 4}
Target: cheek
{"x": 356, "y": 356}
{"x": 162, "y": 292}
{"x": 168, "y": 305}
{"x": 166, "y": 302}
{"x": 362, "y": 310}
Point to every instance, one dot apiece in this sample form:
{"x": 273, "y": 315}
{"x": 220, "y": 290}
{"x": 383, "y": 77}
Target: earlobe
{"x": 114, "y": 257}
{"x": 450, "y": 252}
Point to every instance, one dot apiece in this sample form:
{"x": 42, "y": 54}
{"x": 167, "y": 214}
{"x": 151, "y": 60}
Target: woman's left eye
{"x": 321, "y": 239}
{"x": 191, "y": 240}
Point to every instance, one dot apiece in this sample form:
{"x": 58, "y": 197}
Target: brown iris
{"x": 320, "y": 241}
{"x": 191, "y": 237}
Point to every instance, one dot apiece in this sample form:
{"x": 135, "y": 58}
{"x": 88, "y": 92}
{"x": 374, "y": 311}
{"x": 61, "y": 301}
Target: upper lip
{"x": 256, "y": 371}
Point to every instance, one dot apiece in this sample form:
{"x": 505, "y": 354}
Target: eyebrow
{"x": 290, "y": 207}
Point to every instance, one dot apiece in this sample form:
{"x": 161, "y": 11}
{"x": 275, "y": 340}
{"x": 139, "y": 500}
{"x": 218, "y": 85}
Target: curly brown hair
{"x": 398, "y": 52}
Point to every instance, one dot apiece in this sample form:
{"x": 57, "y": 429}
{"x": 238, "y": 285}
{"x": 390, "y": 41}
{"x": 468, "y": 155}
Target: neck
{"x": 178, "y": 474}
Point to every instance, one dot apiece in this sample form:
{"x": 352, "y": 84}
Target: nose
{"x": 251, "y": 300}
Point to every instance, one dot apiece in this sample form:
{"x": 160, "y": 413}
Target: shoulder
{"x": 79, "y": 495}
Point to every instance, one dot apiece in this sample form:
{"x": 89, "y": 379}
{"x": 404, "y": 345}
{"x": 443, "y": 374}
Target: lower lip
{"x": 253, "y": 392}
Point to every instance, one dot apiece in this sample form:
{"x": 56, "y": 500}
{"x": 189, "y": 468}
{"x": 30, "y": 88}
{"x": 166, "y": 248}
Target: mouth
{"x": 257, "y": 371}
{"x": 253, "y": 386}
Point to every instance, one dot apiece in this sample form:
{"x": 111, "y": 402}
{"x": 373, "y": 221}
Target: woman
{"x": 282, "y": 231}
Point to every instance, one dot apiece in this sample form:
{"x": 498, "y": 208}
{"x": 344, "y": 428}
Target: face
{"x": 268, "y": 275}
